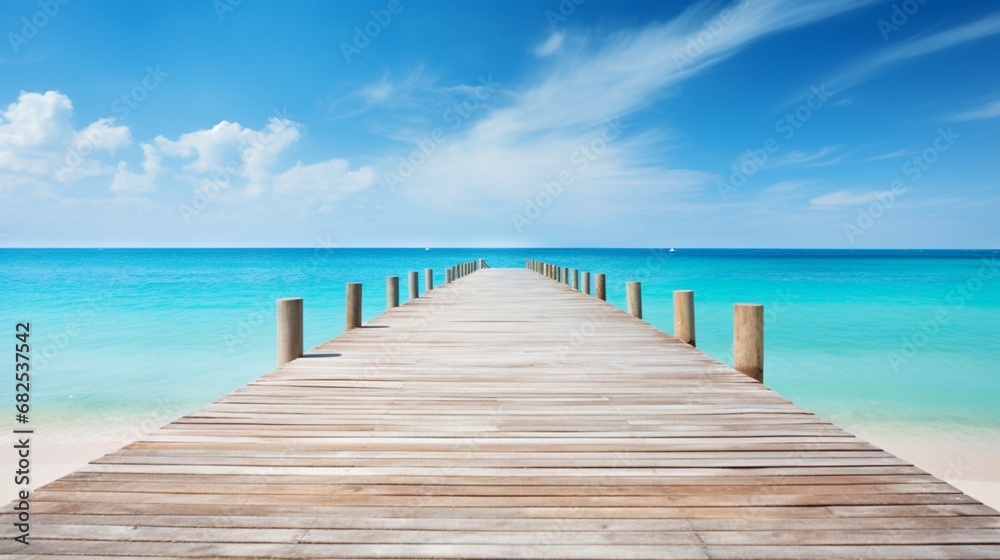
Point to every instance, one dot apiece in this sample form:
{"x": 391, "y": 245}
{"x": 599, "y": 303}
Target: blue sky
{"x": 762, "y": 123}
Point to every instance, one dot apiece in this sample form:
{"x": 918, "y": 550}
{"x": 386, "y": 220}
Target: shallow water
{"x": 125, "y": 340}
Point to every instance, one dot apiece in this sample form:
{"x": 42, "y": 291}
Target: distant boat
{"x": 671, "y": 250}
{"x": 427, "y": 248}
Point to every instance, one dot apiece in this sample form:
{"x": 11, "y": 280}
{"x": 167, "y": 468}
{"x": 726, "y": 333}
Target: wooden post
{"x": 586, "y": 283}
{"x": 575, "y": 276}
{"x": 289, "y": 330}
{"x": 633, "y": 293}
{"x": 600, "y": 290}
{"x": 414, "y": 284}
{"x": 565, "y": 275}
{"x": 429, "y": 278}
{"x": 392, "y": 292}
{"x": 684, "y": 316}
{"x": 748, "y": 339}
{"x": 447, "y": 276}
{"x": 353, "y": 305}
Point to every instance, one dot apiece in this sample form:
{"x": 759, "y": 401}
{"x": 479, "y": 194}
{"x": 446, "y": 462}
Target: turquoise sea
{"x": 125, "y": 340}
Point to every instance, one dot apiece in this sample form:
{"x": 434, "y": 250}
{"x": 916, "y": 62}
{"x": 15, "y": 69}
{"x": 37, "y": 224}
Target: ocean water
{"x": 126, "y": 340}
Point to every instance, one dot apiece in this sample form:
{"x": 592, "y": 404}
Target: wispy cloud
{"x": 849, "y": 198}
{"x": 827, "y": 155}
{"x": 551, "y": 45}
{"x": 895, "y": 154}
{"x": 986, "y": 112}
{"x": 414, "y": 89}
{"x": 916, "y": 47}
{"x": 786, "y": 187}
{"x": 548, "y": 122}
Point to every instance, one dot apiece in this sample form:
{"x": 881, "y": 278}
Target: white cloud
{"x": 509, "y": 153}
{"x": 102, "y": 135}
{"x": 850, "y": 198}
{"x": 916, "y": 47}
{"x": 631, "y": 68}
{"x": 986, "y": 112}
{"x": 241, "y": 163}
{"x": 229, "y": 145}
{"x": 37, "y": 137}
{"x": 551, "y": 45}
{"x": 328, "y": 180}
{"x": 128, "y": 181}
{"x": 786, "y": 187}
{"x": 230, "y": 150}
{"x": 890, "y": 155}
{"x": 263, "y": 153}
{"x": 377, "y": 93}
{"x": 418, "y": 89}
{"x": 800, "y": 158}
{"x": 39, "y": 148}
{"x": 36, "y": 120}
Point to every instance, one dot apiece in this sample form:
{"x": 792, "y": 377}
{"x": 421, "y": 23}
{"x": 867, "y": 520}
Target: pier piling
{"x": 684, "y": 316}
{"x": 289, "y": 330}
{"x": 353, "y": 305}
{"x": 748, "y": 339}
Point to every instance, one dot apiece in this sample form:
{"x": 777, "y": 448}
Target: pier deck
{"x": 504, "y": 416}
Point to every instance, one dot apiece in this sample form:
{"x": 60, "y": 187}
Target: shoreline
{"x": 968, "y": 458}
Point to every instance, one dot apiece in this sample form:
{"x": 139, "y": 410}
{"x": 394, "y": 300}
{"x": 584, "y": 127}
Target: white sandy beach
{"x": 49, "y": 462}
{"x": 967, "y": 458}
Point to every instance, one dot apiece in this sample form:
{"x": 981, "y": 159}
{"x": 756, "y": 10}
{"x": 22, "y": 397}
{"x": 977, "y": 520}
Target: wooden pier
{"x": 504, "y": 415}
